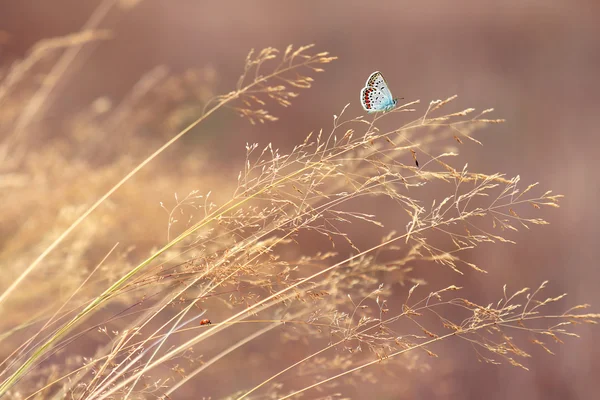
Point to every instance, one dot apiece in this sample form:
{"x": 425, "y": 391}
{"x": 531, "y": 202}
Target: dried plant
{"x": 240, "y": 260}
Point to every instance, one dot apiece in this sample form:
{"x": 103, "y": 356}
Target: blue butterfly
{"x": 376, "y": 95}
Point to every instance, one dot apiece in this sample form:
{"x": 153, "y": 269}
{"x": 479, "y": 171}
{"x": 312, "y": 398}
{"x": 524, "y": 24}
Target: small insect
{"x": 376, "y": 95}
{"x": 205, "y": 322}
{"x": 414, "y": 155}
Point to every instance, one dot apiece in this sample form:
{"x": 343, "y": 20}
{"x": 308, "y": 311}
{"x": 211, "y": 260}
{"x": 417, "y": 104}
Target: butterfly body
{"x": 376, "y": 95}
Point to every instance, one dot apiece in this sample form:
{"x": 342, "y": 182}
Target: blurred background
{"x": 536, "y": 62}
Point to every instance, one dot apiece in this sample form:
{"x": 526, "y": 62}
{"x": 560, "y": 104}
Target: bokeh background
{"x": 536, "y": 62}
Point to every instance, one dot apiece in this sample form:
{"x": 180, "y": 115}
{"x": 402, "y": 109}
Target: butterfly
{"x": 376, "y": 95}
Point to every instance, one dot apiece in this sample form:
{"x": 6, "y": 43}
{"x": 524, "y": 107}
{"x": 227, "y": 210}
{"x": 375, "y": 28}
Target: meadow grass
{"x": 283, "y": 248}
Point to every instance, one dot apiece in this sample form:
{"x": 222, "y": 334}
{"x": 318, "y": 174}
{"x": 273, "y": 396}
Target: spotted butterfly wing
{"x": 377, "y": 81}
{"x": 376, "y": 96}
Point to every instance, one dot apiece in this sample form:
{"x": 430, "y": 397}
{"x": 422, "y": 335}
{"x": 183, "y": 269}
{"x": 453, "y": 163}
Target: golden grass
{"x": 240, "y": 259}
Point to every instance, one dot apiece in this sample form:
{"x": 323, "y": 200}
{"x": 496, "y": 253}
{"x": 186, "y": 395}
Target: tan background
{"x": 536, "y": 62}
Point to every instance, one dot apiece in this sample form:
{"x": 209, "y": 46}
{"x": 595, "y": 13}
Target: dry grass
{"x": 240, "y": 258}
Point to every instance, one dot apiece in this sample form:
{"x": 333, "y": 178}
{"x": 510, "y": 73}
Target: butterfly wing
{"x": 375, "y": 78}
{"x": 368, "y": 99}
{"x": 377, "y": 81}
{"x": 376, "y": 96}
